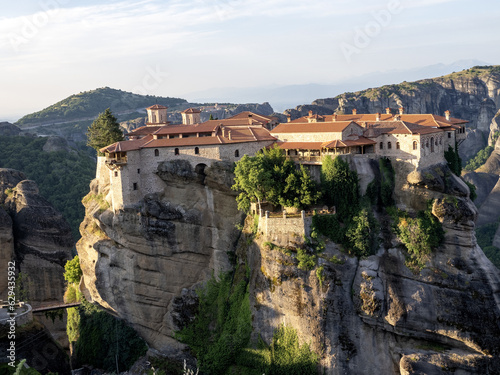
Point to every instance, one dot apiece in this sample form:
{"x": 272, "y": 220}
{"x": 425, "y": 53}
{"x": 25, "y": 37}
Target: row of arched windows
{"x": 196, "y": 152}
{"x": 389, "y": 145}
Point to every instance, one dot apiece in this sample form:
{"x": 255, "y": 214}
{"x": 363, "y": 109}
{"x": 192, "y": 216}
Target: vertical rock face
{"x": 368, "y": 316}
{"x": 375, "y": 316}
{"x": 138, "y": 261}
{"x": 36, "y": 236}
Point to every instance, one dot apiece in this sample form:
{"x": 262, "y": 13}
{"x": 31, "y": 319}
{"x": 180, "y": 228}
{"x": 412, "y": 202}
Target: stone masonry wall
{"x": 138, "y": 178}
{"x": 285, "y": 231}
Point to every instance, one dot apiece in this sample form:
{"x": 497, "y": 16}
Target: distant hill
{"x": 87, "y": 105}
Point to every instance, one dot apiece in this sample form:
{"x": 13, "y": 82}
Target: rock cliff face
{"x": 374, "y": 316}
{"x": 472, "y": 94}
{"x": 137, "y": 262}
{"x": 35, "y": 236}
{"x": 367, "y": 316}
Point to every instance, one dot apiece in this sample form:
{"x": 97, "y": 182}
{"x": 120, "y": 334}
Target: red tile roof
{"x": 125, "y": 146}
{"x": 424, "y": 119}
{"x": 311, "y": 127}
{"x": 355, "y": 141}
{"x": 239, "y": 134}
{"x": 262, "y": 118}
{"x": 191, "y": 110}
{"x": 144, "y": 130}
{"x": 300, "y": 145}
{"x": 157, "y": 106}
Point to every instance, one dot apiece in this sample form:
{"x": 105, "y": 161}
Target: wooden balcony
{"x": 116, "y": 163}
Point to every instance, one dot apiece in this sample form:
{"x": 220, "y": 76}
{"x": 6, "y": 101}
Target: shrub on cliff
{"x": 420, "y": 235}
{"x": 339, "y": 185}
{"x": 72, "y": 270}
{"x": 222, "y": 326}
{"x": 104, "y": 341}
{"x": 453, "y": 159}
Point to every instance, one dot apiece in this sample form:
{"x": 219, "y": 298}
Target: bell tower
{"x": 157, "y": 115}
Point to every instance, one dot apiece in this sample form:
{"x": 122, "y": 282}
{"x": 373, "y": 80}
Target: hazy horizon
{"x": 51, "y": 49}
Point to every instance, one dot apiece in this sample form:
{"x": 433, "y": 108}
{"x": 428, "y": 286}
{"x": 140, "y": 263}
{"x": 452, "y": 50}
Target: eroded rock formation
{"x": 137, "y": 261}
{"x": 367, "y": 316}
{"x": 35, "y": 236}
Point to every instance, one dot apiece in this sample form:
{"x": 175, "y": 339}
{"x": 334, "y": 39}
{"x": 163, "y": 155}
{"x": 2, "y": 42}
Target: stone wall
{"x": 284, "y": 231}
{"x": 138, "y": 177}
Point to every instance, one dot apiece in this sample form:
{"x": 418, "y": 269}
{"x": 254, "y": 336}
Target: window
{"x": 381, "y": 145}
{"x": 415, "y": 145}
{"x": 398, "y": 147}
{"x": 449, "y": 135}
{"x": 157, "y": 152}
{"x": 176, "y": 151}
{"x": 134, "y": 186}
{"x": 237, "y": 154}
{"x": 196, "y": 151}
{"x": 427, "y": 143}
{"x": 432, "y": 144}
{"x": 116, "y": 174}
{"x": 138, "y": 171}
{"x": 389, "y": 145}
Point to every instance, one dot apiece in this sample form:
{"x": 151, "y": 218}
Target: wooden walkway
{"x": 56, "y": 307}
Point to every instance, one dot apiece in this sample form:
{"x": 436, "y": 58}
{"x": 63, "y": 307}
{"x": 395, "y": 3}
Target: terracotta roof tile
{"x": 311, "y": 127}
{"x": 425, "y": 119}
{"x": 191, "y": 110}
{"x": 157, "y": 106}
{"x": 130, "y": 145}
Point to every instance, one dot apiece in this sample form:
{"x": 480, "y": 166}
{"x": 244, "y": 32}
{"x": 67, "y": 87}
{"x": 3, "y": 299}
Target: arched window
{"x": 196, "y": 151}
{"x": 398, "y": 146}
{"x": 157, "y": 152}
{"x": 237, "y": 154}
{"x": 381, "y": 145}
{"x": 176, "y": 151}
{"x": 427, "y": 143}
{"x": 389, "y": 145}
{"x": 432, "y": 144}
{"x": 415, "y": 145}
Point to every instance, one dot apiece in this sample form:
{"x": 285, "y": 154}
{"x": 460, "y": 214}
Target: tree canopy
{"x": 269, "y": 176}
{"x": 104, "y": 131}
{"x": 340, "y": 186}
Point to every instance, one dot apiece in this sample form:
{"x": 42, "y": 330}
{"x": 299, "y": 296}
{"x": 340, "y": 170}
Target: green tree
{"x": 271, "y": 177}
{"x": 72, "y": 270}
{"x": 104, "y": 131}
{"x": 454, "y": 160}
{"x": 362, "y": 234}
{"x": 340, "y": 186}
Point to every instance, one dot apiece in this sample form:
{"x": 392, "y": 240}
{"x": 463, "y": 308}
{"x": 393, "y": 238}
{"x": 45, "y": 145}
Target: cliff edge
{"x": 372, "y": 315}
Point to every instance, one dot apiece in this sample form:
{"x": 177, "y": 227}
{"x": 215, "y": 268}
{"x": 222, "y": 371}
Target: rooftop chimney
{"x": 387, "y": 111}
{"x": 401, "y": 110}
{"x": 334, "y": 117}
{"x": 354, "y": 111}
{"x": 378, "y": 117}
{"x": 447, "y": 115}
{"x": 310, "y": 113}
{"x": 223, "y": 131}
{"x": 229, "y": 135}
{"x": 288, "y": 118}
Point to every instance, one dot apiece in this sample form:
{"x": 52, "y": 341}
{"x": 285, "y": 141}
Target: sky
{"x": 50, "y": 49}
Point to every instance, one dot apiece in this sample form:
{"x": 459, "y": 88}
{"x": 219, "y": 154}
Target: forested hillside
{"x": 63, "y": 177}
{"x": 89, "y": 104}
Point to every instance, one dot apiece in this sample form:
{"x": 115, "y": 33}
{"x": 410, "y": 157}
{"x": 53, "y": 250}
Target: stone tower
{"x": 191, "y": 116}
{"x": 157, "y": 115}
